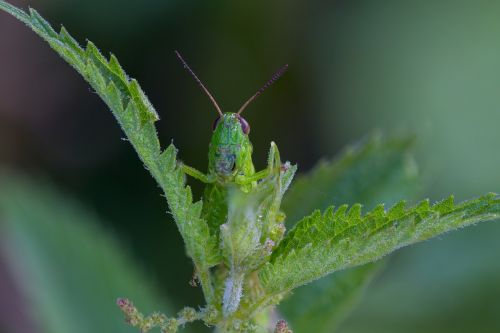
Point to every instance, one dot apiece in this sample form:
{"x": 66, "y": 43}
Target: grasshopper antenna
{"x": 273, "y": 79}
{"x": 186, "y": 66}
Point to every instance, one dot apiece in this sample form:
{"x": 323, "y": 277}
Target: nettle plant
{"x": 244, "y": 260}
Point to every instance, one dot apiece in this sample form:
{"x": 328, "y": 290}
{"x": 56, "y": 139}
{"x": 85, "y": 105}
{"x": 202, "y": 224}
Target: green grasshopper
{"x": 241, "y": 205}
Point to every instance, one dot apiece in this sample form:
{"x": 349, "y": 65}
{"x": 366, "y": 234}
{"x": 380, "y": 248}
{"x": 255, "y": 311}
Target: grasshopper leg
{"x": 273, "y": 166}
{"x": 196, "y": 174}
{"x": 273, "y": 160}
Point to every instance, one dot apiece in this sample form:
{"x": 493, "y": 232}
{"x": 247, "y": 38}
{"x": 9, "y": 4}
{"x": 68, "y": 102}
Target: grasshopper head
{"x": 231, "y": 120}
{"x": 230, "y": 151}
{"x": 230, "y": 147}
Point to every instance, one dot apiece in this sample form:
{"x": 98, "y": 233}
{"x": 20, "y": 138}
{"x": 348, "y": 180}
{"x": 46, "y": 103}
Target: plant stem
{"x": 206, "y": 285}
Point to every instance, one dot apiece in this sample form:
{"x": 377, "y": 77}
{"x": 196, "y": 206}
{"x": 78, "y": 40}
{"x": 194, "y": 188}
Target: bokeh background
{"x": 429, "y": 68}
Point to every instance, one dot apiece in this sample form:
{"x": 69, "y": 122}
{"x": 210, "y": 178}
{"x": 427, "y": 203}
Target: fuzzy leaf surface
{"x": 377, "y": 169}
{"x": 372, "y": 171}
{"x": 341, "y": 238}
{"x": 136, "y": 116}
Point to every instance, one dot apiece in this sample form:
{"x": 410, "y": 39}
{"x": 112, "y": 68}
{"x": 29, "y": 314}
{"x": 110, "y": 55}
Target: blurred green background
{"x": 431, "y": 68}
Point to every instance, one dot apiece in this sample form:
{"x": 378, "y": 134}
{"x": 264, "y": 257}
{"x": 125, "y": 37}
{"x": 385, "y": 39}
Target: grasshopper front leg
{"x": 273, "y": 166}
{"x": 207, "y": 179}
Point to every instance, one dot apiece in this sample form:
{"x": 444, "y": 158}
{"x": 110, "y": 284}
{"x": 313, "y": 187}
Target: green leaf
{"x": 68, "y": 267}
{"x": 200, "y": 245}
{"x": 377, "y": 170}
{"x": 341, "y": 238}
{"x": 136, "y": 116}
{"x": 321, "y": 309}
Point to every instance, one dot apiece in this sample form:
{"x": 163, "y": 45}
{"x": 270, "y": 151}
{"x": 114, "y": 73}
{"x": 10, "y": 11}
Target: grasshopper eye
{"x": 216, "y": 122}
{"x": 245, "y": 127}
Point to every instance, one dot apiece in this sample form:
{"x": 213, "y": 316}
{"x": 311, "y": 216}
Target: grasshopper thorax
{"x": 230, "y": 150}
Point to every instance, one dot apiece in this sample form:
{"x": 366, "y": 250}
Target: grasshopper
{"x": 240, "y": 205}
